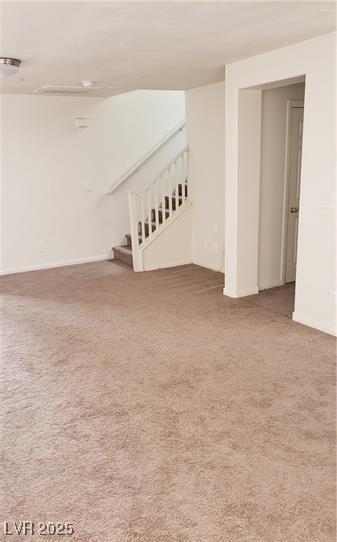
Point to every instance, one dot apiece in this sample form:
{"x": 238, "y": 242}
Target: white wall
{"x": 249, "y": 138}
{"x": 205, "y": 125}
{"x": 315, "y": 279}
{"x": 46, "y": 160}
{"x": 173, "y": 246}
{"x": 273, "y": 146}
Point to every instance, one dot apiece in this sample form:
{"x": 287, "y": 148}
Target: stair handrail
{"x": 166, "y": 168}
{"x": 110, "y": 189}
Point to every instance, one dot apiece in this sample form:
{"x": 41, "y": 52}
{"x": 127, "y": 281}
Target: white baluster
{"x": 156, "y": 204}
{"x": 183, "y": 176}
{"x": 163, "y": 210}
{"x": 169, "y": 185}
{"x": 186, "y": 168}
{"x": 149, "y": 217}
{"x": 132, "y": 202}
{"x": 178, "y": 171}
{"x": 142, "y": 218}
{"x": 176, "y": 185}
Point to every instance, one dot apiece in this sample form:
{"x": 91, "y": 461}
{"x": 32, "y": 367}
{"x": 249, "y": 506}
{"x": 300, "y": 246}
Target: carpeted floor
{"x": 149, "y": 407}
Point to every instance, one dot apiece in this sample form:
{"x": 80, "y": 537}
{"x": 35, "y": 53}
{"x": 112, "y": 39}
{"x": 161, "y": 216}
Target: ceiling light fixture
{"x": 9, "y": 66}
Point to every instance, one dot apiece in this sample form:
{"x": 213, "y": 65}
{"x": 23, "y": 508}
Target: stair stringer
{"x": 171, "y": 245}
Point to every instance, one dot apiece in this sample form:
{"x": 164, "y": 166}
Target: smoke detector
{"x": 87, "y": 83}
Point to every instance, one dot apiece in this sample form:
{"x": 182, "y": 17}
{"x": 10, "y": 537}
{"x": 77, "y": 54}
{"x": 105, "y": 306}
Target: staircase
{"x": 123, "y": 253}
{"x": 156, "y": 217}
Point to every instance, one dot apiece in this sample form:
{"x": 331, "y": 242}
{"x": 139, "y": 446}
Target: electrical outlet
{"x": 42, "y": 247}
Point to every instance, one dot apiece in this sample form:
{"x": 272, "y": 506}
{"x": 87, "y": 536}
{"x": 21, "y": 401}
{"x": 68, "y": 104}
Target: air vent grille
{"x": 61, "y": 89}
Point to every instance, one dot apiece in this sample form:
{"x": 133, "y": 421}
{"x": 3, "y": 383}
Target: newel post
{"x": 136, "y": 252}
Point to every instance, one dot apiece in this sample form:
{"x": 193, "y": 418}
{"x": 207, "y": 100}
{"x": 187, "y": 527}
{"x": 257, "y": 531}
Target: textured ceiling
{"x": 157, "y": 45}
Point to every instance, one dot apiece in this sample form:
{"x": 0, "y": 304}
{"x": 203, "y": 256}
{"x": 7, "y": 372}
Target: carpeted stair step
{"x": 129, "y": 240}
{"x": 123, "y": 254}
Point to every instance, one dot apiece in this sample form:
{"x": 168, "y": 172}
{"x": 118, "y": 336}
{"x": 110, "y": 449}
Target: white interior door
{"x": 294, "y": 183}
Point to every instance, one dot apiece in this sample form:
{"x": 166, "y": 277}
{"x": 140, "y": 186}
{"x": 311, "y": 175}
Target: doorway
{"x": 282, "y": 109}
{"x": 293, "y": 184}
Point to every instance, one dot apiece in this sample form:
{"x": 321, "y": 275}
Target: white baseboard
{"x": 316, "y": 325}
{"x": 202, "y": 264}
{"x": 166, "y": 266}
{"x": 272, "y": 284}
{"x": 52, "y": 265}
{"x": 240, "y": 293}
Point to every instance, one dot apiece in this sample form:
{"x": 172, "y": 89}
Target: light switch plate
{"x": 333, "y": 297}
{"x": 81, "y": 122}
{"x": 87, "y": 186}
{"x": 328, "y": 201}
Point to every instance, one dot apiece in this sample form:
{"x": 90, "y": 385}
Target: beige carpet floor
{"x": 151, "y": 408}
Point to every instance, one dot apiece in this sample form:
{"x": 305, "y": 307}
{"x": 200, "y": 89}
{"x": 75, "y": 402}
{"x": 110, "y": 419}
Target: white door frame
{"x": 290, "y": 105}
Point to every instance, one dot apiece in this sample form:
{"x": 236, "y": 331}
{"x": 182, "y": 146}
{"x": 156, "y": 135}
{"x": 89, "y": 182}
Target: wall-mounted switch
{"x": 328, "y": 201}
{"x": 81, "y": 122}
{"x": 87, "y": 186}
{"x": 333, "y": 297}
{"x": 42, "y": 247}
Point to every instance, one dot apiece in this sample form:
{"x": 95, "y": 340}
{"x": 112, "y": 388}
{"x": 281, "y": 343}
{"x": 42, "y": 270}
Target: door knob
{"x": 293, "y": 210}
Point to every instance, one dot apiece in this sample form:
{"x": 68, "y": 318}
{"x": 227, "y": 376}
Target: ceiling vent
{"x": 61, "y": 89}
